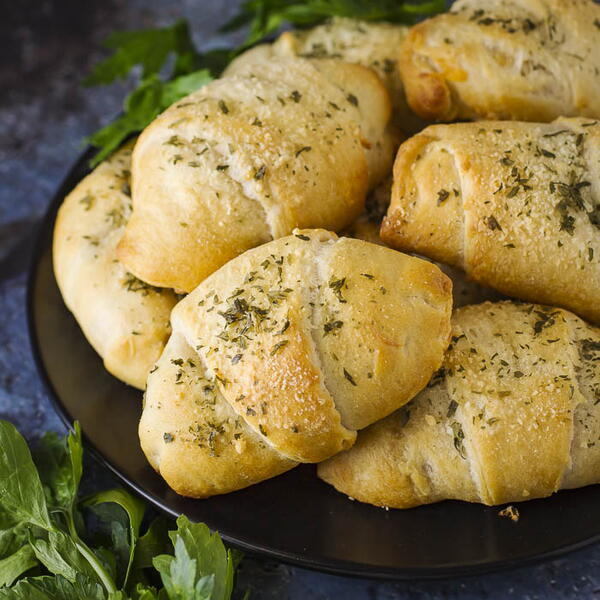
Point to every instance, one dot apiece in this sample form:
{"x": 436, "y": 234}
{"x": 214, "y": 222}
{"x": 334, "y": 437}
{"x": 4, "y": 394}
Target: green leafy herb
{"x": 149, "y": 48}
{"x": 332, "y": 327}
{"x": 452, "y": 408}
{"x": 349, "y": 378}
{"x": 201, "y": 564}
{"x": 492, "y": 223}
{"x": 337, "y": 285}
{"x": 442, "y": 196}
{"x": 21, "y": 493}
{"x": 135, "y": 511}
{"x": 43, "y": 535}
{"x": 459, "y": 437}
{"x": 15, "y": 565}
{"x": 278, "y": 346}
{"x": 144, "y": 104}
{"x": 264, "y": 17}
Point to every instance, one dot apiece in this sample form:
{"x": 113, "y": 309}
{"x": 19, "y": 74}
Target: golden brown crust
{"x": 191, "y": 435}
{"x": 464, "y": 290}
{"x": 520, "y": 214}
{"x": 373, "y": 45}
{"x": 277, "y": 332}
{"x": 279, "y": 144}
{"x": 250, "y": 323}
{"x": 125, "y": 320}
{"x": 431, "y": 94}
{"x": 512, "y": 415}
{"x": 531, "y": 60}
{"x": 381, "y": 312}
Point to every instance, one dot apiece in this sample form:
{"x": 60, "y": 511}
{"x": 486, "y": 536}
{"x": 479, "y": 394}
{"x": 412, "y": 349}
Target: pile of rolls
{"x": 291, "y": 278}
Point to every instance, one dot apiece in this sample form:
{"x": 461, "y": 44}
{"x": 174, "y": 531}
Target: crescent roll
{"x": 246, "y": 159}
{"x": 302, "y": 341}
{"x": 513, "y": 414}
{"x": 373, "y": 45}
{"x": 515, "y": 205}
{"x": 530, "y": 60}
{"x": 123, "y": 318}
{"x": 193, "y": 437}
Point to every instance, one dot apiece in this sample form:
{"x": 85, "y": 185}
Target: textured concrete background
{"x": 46, "y": 47}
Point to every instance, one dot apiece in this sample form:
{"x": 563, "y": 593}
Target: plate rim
{"x": 332, "y": 567}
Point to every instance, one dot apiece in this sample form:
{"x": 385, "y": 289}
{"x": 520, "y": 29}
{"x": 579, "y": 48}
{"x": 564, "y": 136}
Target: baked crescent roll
{"x": 373, "y": 45}
{"x": 123, "y": 318}
{"x": 530, "y": 60}
{"x": 248, "y": 158}
{"x": 304, "y": 340}
{"x": 513, "y": 414}
{"x": 193, "y": 437}
{"x": 515, "y": 205}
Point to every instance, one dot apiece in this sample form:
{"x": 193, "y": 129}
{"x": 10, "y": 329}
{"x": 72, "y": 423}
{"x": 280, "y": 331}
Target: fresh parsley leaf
{"x": 60, "y": 465}
{"x": 201, "y": 563}
{"x": 61, "y": 555}
{"x": 264, "y": 17}
{"x": 181, "y": 578}
{"x": 110, "y": 556}
{"x": 54, "y": 588}
{"x": 45, "y": 537}
{"x": 21, "y": 492}
{"x": 141, "y": 107}
{"x": 182, "y": 86}
{"x": 154, "y": 542}
{"x": 135, "y": 511}
{"x": 15, "y": 565}
{"x": 149, "y": 48}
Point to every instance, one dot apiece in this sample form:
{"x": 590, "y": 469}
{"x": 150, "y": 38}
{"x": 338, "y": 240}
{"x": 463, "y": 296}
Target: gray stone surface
{"x": 47, "y": 46}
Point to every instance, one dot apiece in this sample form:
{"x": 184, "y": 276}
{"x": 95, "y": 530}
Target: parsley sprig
{"x": 49, "y": 550}
{"x": 171, "y": 66}
{"x": 151, "y": 50}
{"x": 264, "y": 17}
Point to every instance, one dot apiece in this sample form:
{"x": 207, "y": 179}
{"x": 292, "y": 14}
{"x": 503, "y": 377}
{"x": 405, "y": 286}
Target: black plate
{"x": 295, "y": 517}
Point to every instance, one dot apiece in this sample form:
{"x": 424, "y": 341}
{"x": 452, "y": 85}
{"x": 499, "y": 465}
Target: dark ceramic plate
{"x": 295, "y": 517}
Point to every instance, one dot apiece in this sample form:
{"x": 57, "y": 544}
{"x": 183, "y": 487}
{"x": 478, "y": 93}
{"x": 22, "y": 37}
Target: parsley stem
{"x": 92, "y": 559}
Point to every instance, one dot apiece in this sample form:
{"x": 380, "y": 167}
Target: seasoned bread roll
{"x": 249, "y": 157}
{"x": 373, "y": 45}
{"x": 513, "y": 414}
{"x": 193, "y": 437}
{"x": 530, "y": 60}
{"x": 515, "y": 205}
{"x": 123, "y": 318}
{"x": 306, "y": 339}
